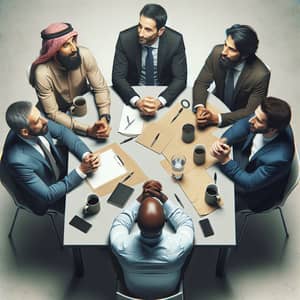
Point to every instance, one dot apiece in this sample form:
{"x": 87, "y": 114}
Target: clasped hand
{"x": 221, "y": 151}
{"x": 152, "y": 188}
{"x": 100, "y": 130}
{"x": 205, "y": 117}
{"x": 148, "y": 106}
{"x": 90, "y": 163}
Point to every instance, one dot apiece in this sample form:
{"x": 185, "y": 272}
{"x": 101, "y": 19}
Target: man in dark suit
{"x": 241, "y": 78}
{"x": 261, "y": 172}
{"x": 149, "y": 54}
{"x": 34, "y": 162}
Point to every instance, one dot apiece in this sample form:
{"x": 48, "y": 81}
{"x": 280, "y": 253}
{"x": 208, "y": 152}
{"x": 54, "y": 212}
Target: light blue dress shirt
{"x": 152, "y": 266}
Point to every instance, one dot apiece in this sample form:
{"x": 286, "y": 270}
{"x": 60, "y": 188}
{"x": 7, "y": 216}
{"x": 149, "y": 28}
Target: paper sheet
{"x": 131, "y": 123}
{"x": 110, "y": 168}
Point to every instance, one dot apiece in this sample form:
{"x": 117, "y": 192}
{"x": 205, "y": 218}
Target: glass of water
{"x": 178, "y": 162}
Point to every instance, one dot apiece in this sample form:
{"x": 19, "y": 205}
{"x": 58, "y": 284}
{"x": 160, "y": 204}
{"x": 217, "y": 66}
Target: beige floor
{"x": 265, "y": 265}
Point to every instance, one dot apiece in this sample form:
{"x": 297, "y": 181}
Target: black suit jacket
{"x": 251, "y": 87}
{"x": 172, "y": 70}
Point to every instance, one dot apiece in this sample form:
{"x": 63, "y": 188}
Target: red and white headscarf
{"x": 54, "y": 36}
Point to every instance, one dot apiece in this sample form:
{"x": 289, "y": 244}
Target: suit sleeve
{"x": 39, "y": 189}
{"x": 262, "y": 177}
{"x": 259, "y": 92}
{"x": 237, "y": 131}
{"x": 178, "y": 73}
{"x": 203, "y": 81}
{"x": 120, "y": 73}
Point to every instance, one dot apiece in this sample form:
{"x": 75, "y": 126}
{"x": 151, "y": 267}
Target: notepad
{"x": 131, "y": 123}
{"x": 120, "y": 195}
{"x": 111, "y": 167}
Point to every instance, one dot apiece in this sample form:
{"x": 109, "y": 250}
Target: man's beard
{"x": 42, "y": 131}
{"x": 70, "y": 62}
{"x": 226, "y": 63}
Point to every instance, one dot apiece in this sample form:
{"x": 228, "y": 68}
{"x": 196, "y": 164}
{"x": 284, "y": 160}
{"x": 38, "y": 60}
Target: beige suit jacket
{"x": 56, "y": 89}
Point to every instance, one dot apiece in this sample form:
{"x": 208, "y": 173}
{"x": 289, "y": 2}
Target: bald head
{"x": 151, "y": 216}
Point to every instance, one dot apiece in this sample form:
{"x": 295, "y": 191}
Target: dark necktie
{"x": 149, "y": 67}
{"x": 50, "y": 158}
{"x": 229, "y": 89}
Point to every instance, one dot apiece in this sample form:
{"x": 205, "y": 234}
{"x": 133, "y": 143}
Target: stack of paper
{"x": 131, "y": 123}
{"x": 111, "y": 167}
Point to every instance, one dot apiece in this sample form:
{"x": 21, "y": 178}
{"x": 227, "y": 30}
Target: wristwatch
{"x": 106, "y": 116}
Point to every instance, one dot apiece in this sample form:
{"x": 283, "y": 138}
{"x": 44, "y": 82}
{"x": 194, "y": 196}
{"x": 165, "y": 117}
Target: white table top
{"x": 222, "y": 220}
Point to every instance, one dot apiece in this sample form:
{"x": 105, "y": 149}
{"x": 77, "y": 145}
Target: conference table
{"x": 222, "y": 220}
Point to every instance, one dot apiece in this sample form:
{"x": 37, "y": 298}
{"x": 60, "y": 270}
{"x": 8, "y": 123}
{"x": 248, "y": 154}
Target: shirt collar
{"x": 240, "y": 66}
{"x": 154, "y": 45}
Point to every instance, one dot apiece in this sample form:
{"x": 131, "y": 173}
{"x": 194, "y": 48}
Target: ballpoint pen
{"x": 127, "y": 177}
{"x": 127, "y": 140}
{"x": 176, "y": 116}
{"x": 154, "y": 140}
{"x": 129, "y": 123}
{"x": 179, "y": 201}
{"x": 119, "y": 159}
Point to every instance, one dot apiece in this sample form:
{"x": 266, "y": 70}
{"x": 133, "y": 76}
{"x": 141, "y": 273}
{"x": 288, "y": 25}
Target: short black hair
{"x": 155, "y": 12}
{"x": 17, "y": 115}
{"x": 278, "y": 112}
{"x": 245, "y": 39}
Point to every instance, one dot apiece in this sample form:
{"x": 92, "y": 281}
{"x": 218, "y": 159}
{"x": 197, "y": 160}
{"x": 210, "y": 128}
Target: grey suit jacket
{"x": 251, "y": 88}
{"x": 172, "y": 69}
{"x": 32, "y": 172}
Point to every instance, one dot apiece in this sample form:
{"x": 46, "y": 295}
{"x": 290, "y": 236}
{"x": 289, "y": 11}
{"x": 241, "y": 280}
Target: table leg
{"x": 222, "y": 258}
{"x": 78, "y": 262}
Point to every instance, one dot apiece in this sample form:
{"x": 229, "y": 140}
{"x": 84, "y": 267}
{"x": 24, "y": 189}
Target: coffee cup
{"x": 188, "y": 133}
{"x": 212, "y": 196}
{"x": 79, "y": 106}
{"x": 199, "y": 154}
{"x": 92, "y": 206}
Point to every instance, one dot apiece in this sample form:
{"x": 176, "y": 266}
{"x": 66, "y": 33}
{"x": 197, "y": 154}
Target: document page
{"x": 131, "y": 123}
{"x": 111, "y": 167}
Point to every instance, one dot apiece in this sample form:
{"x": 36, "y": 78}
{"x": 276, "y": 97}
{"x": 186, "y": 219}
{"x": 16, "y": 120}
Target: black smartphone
{"x": 206, "y": 227}
{"x": 80, "y": 224}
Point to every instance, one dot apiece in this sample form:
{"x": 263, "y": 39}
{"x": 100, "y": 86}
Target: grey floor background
{"x": 265, "y": 265}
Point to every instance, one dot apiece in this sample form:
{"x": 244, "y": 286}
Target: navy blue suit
{"x": 32, "y": 173}
{"x": 262, "y": 181}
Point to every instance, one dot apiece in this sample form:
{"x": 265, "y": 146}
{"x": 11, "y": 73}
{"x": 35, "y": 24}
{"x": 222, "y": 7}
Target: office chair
{"x": 292, "y": 182}
{"x": 15, "y": 193}
{"x": 122, "y": 293}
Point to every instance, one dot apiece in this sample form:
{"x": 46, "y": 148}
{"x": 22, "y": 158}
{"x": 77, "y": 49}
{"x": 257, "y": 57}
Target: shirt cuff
{"x": 196, "y": 106}
{"x": 84, "y": 155}
{"x": 162, "y": 100}
{"x": 219, "y": 120}
{"x": 133, "y": 100}
{"x": 80, "y": 173}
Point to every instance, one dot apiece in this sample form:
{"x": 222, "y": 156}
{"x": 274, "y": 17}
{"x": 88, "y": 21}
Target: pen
{"x": 127, "y": 140}
{"x": 127, "y": 177}
{"x": 179, "y": 112}
{"x": 154, "y": 140}
{"x": 179, "y": 201}
{"x": 129, "y": 123}
{"x": 120, "y": 159}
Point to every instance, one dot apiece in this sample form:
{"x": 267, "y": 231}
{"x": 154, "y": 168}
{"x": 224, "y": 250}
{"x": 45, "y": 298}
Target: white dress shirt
{"x": 142, "y": 81}
{"x": 152, "y": 266}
